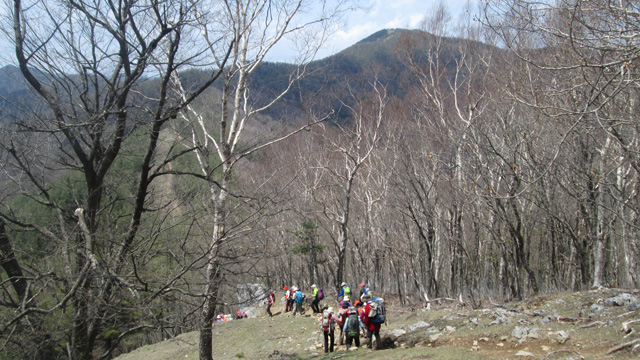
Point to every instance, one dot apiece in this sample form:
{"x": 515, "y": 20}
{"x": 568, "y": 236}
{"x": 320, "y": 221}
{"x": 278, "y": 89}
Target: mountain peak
{"x": 381, "y": 35}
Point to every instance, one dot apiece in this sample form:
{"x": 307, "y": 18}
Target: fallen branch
{"x": 623, "y": 346}
{"x": 552, "y": 354}
{"x": 506, "y": 307}
{"x": 590, "y": 325}
{"x": 570, "y": 320}
{"x": 535, "y": 313}
{"x": 626, "y": 326}
{"x": 627, "y": 313}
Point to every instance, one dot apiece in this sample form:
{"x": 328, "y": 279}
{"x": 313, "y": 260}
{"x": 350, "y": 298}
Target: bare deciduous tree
{"x": 93, "y": 66}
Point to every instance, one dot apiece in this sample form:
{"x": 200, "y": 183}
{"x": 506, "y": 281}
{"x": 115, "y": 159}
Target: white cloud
{"x": 397, "y": 22}
{"x": 416, "y": 20}
{"x": 375, "y": 15}
{"x": 356, "y": 33}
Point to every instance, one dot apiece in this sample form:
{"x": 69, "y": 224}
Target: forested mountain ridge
{"x": 376, "y": 55}
{"x": 134, "y": 208}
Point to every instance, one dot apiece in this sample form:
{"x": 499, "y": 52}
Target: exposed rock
{"x": 475, "y": 346}
{"x": 501, "y": 316}
{"x": 474, "y": 321}
{"x": 499, "y": 320}
{"x": 621, "y": 300}
{"x": 524, "y": 322}
{"x": 418, "y": 325}
{"x": 533, "y": 334}
{"x": 251, "y": 294}
{"x": 434, "y": 337}
{"x": 519, "y": 332}
{"x": 561, "y": 336}
{"x": 396, "y": 333}
{"x": 450, "y": 329}
{"x": 634, "y": 306}
{"x": 547, "y": 319}
{"x": 596, "y": 308}
{"x": 524, "y": 353}
{"x": 423, "y": 343}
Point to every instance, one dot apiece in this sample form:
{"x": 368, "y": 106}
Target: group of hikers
{"x": 366, "y": 313}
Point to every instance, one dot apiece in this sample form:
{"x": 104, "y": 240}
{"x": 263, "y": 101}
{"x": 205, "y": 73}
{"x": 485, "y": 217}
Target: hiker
{"x": 328, "y": 329}
{"x": 352, "y": 328}
{"x": 241, "y": 315}
{"x": 287, "y": 296}
{"x": 341, "y": 317}
{"x": 345, "y": 291}
{"x": 373, "y": 329}
{"x": 344, "y": 302}
{"x": 317, "y": 296}
{"x": 364, "y": 289}
{"x": 360, "y": 310}
{"x": 298, "y": 298}
{"x": 269, "y": 301}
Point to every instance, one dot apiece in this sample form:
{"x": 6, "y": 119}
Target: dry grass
{"x": 463, "y": 334}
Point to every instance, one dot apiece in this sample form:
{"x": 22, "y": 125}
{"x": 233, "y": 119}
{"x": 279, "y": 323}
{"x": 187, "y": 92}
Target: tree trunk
{"x": 11, "y": 265}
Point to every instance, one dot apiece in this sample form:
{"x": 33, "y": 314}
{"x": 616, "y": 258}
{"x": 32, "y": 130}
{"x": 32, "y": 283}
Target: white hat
{"x": 330, "y": 309}
{"x": 314, "y": 285}
{"x": 343, "y": 284}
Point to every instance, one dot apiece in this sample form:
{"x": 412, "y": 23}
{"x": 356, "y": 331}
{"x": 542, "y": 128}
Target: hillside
{"x": 582, "y": 325}
{"x": 375, "y": 56}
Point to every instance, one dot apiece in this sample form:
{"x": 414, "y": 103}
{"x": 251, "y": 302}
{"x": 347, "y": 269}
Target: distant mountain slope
{"x": 14, "y": 93}
{"x": 375, "y": 57}
{"x": 11, "y": 80}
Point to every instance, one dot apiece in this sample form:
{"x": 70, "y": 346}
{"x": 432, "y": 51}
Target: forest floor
{"x": 595, "y": 324}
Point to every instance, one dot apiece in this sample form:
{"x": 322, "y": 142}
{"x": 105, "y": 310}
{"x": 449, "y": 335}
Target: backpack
{"x": 342, "y": 316}
{"x": 377, "y": 313}
{"x": 327, "y": 321}
{"x": 299, "y": 297}
{"x": 320, "y": 294}
{"x": 352, "y": 325}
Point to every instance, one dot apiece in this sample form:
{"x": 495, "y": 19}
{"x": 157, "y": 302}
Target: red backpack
{"x": 327, "y": 321}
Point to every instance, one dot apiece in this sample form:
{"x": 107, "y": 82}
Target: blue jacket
{"x": 345, "y": 291}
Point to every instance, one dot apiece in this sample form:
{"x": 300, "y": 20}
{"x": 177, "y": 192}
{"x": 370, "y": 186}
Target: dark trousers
{"x": 314, "y": 305}
{"x": 370, "y": 335}
{"x": 355, "y": 339}
{"x": 328, "y": 334}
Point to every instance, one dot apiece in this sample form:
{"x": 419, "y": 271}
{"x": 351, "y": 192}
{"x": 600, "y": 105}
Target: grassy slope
{"x": 299, "y": 338}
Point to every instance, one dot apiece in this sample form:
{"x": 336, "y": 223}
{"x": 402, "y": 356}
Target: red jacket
{"x": 366, "y": 320}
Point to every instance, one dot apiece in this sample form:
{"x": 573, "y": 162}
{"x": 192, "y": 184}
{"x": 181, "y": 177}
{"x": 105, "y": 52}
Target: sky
{"x": 375, "y": 15}
{"x": 370, "y": 17}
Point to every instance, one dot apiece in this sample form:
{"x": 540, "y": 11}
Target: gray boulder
{"x": 418, "y": 325}
{"x": 621, "y": 300}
